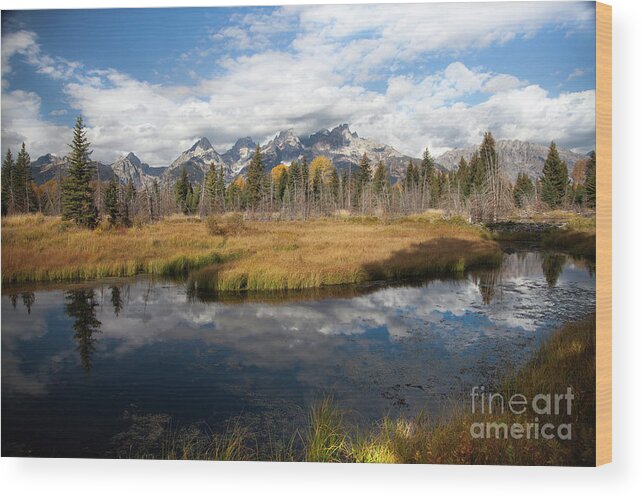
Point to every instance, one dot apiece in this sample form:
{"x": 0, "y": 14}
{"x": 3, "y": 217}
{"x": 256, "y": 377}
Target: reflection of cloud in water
{"x": 393, "y": 346}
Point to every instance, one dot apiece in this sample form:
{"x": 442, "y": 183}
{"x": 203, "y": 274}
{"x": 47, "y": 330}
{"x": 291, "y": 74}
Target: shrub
{"x": 234, "y": 223}
{"x": 230, "y": 224}
{"x": 214, "y": 225}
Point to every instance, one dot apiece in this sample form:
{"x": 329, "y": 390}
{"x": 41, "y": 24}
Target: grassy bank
{"x": 566, "y": 359}
{"x": 575, "y": 235}
{"x": 245, "y": 255}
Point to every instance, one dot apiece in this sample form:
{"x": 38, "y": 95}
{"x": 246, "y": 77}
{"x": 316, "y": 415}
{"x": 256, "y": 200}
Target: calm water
{"x": 83, "y": 365}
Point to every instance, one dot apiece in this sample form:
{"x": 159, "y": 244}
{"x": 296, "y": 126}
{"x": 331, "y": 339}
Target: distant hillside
{"x": 515, "y": 156}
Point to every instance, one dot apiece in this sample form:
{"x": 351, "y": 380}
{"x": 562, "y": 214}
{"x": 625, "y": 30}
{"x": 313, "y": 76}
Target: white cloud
{"x": 319, "y": 82}
{"x": 576, "y": 73}
{"x": 24, "y": 43}
{"x": 21, "y": 122}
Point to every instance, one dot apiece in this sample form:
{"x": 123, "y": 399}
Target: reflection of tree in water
{"x": 487, "y": 282}
{"x": 553, "y": 265}
{"x": 28, "y": 298}
{"x": 117, "y": 300}
{"x": 81, "y": 306}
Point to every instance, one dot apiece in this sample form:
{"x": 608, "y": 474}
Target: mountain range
{"x": 344, "y": 147}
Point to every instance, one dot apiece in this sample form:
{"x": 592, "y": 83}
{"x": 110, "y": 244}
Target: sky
{"x": 153, "y": 81}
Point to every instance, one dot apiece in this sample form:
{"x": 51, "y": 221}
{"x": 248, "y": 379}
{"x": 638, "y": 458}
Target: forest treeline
{"x": 477, "y": 189}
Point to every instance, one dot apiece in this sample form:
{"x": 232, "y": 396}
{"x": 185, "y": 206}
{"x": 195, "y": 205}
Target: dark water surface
{"x": 80, "y": 363}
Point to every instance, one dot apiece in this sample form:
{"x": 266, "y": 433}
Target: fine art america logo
{"x": 541, "y": 406}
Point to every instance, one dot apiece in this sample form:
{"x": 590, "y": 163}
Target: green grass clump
{"x": 326, "y": 439}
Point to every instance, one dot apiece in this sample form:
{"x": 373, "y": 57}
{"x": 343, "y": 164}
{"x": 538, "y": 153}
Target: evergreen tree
{"x": 294, "y": 180}
{"x": 282, "y": 186}
{"x": 212, "y": 187}
{"x": 254, "y": 180}
{"x": 345, "y": 186}
{"x": 334, "y": 185}
{"x": 220, "y": 194}
{"x": 463, "y": 178}
{"x": 182, "y": 189}
{"x": 411, "y": 178}
{"x": 305, "y": 179}
{"x": 364, "y": 172}
{"x": 523, "y": 189}
{"x": 23, "y": 189}
{"x": 380, "y": 179}
{"x": 8, "y": 171}
{"x": 590, "y": 180}
{"x": 316, "y": 185}
{"x": 130, "y": 195}
{"x": 110, "y": 202}
{"x": 476, "y": 172}
{"x": 156, "y": 196}
{"x": 193, "y": 199}
{"x": 555, "y": 179}
{"x": 78, "y": 193}
{"x": 428, "y": 178}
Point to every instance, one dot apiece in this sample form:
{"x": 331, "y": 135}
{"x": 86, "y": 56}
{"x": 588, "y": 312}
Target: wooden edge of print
{"x": 603, "y": 234}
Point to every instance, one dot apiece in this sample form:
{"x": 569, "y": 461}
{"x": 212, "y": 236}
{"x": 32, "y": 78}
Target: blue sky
{"x": 427, "y": 75}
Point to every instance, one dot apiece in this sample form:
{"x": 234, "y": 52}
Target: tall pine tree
{"x": 523, "y": 189}
{"x": 555, "y": 179}
{"x": 254, "y": 180}
{"x": 211, "y": 187}
{"x": 590, "y": 180}
{"x": 78, "y": 193}
{"x": 380, "y": 179}
{"x": 183, "y": 191}
{"x": 111, "y": 201}
{"x": 8, "y": 171}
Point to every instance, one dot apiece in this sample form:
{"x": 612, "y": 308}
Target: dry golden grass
{"x": 261, "y": 256}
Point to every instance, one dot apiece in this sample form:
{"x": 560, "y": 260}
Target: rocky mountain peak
{"x": 132, "y": 158}
{"x": 344, "y": 131}
{"x": 203, "y": 144}
{"x": 244, "y": 143}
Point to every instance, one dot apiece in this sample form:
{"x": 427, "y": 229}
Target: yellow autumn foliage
{"x": 325, "y": 165}
{"x": 277, "y": 171}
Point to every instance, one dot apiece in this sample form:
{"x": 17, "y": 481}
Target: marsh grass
{"x": 248, "y": 256}
{"x": 326, "y": 439}
{"x": 577, "y": 238}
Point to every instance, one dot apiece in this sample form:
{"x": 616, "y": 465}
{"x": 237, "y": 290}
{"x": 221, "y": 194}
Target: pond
{"x": 83, "y": 364}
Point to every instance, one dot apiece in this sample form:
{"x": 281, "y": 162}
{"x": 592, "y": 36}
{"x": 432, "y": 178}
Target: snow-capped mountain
{"x": 238, "y": 157}
{"x": 284, "y": 148}
{"x": 130, "y": 167}
{"x": 344, "y": 147}
{"x": 515, "y": 156}
{"x": 51, "y": 166}
{"x": 196, "y": 160}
